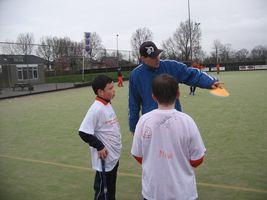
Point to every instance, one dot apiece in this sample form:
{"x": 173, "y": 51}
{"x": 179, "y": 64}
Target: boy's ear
{"x": 99, "y": 92}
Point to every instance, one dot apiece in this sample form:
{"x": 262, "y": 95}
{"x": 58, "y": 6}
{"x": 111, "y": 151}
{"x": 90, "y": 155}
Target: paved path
{"x": 8, "y": 92}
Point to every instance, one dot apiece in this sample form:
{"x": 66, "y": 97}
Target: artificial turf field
{"x": 43, "y": 158}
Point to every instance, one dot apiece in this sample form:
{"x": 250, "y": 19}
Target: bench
{"x": 22, "y": 86}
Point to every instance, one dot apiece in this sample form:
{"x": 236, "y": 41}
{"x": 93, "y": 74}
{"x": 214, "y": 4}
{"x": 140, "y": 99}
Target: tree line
{"x": 183, "y": 45}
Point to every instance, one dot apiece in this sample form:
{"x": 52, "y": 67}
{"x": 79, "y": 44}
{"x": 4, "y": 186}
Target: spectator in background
{"x": 120, "y": 79}
{"x": 218, "y": 68}
{"x": 193, "y": 87}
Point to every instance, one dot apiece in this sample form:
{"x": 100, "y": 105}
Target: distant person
{"x": 168, "y": 144}
{"x": 101, "y": 130}
{"x": 192, "y": 87}
{"x": 218, "y": 68}
{"x": 120, "y": 79}
{"x": 141, "y": 78}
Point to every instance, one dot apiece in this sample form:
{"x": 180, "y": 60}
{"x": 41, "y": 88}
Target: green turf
{"x": 44, "y": 128}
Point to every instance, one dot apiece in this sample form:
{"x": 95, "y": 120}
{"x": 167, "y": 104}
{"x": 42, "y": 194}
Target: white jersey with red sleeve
{"x": 101, "y": 121}
{"x": 167, "y": 140}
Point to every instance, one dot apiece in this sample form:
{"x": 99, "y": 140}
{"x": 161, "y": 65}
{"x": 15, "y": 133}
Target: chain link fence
{"x": 35, "y": 68}
{"x": 32, "y": 68}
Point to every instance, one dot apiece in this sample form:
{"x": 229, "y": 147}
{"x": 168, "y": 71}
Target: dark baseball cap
{"x": 149, "y": 49}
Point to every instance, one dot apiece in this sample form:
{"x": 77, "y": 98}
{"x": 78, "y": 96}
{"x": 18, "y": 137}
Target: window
{"x": 18, "y": 59}
{"x": 35, "y": 73}
{"x": 19, "y": 71}
{"x": 25, "y": 72}
{"x": 30, "y": 72}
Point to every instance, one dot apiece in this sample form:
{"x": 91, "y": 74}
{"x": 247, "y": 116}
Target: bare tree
{"x": 200, "y": 55}
{"x": 61, "y": 52}
{"x": 138, "y": 37}
{"x": 171, "y": 50}
{"x": 196, "y": 47}
{"x": 241, "y": 55}
{"x": 179, "y": 44}
{"x": 25, "y": 41}
{"x": 227, "y": 53}
{"x": 8, "y": 47}
{"x": 68, "y": 54}
{"x": 222, "y": 52}
{"x": 181, "y": 38}
{"x": 259, "y": 53}
{"x": 96, "y": 47}
{"x": 45, "y": 50}
{"x": 76, "y": 53}
{"x": 62, "y": 46}
{"x": 59, "y": 48}
{"x": 76, "y": 49}
{"x": 217, "y": 46}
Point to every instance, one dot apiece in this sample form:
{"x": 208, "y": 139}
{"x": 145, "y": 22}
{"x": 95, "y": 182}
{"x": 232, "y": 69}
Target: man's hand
{"x": 217, "y": 85}
{"x": 103, "y": 153}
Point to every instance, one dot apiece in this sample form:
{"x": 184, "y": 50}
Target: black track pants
{"x": 111, "y": 178}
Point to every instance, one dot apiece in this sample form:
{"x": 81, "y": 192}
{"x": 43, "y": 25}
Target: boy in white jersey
{"x": 100, "y": 129}
{"x": 168, "y": 144}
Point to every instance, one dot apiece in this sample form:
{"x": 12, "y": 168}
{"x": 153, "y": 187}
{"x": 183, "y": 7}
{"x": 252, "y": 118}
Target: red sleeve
{"x": 139, "y": 159}
{"x": 196, "y": 163}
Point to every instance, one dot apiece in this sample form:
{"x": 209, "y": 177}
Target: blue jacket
{"x": 140, "y": 90}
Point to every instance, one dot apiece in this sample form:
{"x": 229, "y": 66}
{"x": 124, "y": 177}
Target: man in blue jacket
{"x": 140, "y": 92}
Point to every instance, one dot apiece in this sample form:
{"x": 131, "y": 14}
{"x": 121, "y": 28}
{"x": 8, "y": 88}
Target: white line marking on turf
{"x": 131, "y": 175}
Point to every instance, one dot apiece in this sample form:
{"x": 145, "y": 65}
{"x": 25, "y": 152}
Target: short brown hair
{"x": 100, "y": 82}
{"x": 165, "y": 88}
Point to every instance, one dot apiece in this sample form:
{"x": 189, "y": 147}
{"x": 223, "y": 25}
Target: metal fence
{"x": 34, "y": 68}
{"x": 70, "y": 55}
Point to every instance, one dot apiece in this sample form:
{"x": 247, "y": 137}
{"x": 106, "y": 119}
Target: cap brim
{"x": 156, "y": 53}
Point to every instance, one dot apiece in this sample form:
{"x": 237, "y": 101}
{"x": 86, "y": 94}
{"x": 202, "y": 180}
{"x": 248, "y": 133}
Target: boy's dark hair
{"x": 100, "y": 82}
{"x": 165, "y": 88}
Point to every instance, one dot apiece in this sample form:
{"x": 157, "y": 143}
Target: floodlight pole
{"x": 190, "y": 33}
{"x": 117, "y": 50}
{"x": 84, "y": 46}
{"x": 83, "y": 66}
{"x": 196, "y": 25}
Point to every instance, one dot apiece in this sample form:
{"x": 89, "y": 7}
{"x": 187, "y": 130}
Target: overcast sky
{"x": 241, "y": 23}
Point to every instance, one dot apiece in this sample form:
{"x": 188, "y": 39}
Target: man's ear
{"x": 154, "y": 98}
{"x": 142, "y": 58}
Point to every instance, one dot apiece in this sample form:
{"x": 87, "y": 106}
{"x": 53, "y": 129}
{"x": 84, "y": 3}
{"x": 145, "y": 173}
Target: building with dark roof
{"x": 21, "y": 69}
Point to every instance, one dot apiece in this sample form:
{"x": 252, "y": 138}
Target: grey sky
{"x": 241, "y": 23}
